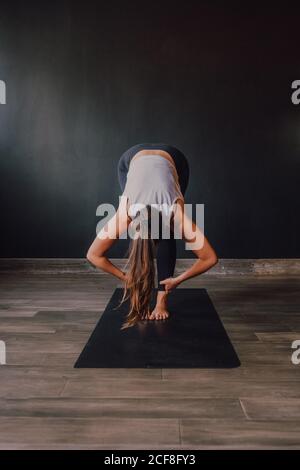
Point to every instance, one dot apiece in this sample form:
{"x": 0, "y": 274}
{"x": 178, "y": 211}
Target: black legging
{"x": 166, "y": 248}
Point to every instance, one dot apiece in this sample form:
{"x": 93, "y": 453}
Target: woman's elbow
{"x": 90, "y": 257}
{"x": 96, "y": 260}
{"x": 214, "y": 259}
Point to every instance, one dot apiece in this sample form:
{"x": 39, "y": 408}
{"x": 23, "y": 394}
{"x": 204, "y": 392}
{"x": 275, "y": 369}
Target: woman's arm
{"x": 104, "y": 240}
{"x": 206, "y": 255}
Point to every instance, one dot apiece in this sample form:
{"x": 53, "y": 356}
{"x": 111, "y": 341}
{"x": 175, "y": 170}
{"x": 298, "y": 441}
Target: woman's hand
{"x": 170, "y": 283}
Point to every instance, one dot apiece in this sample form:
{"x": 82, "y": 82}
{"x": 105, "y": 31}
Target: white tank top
{"x": 152, "y": 179}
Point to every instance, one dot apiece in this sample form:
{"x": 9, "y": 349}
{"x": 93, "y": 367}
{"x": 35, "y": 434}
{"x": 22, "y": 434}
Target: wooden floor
{"x": 45, "y": 321}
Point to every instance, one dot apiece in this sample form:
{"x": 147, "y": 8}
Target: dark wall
{"x": 85, "y": 81}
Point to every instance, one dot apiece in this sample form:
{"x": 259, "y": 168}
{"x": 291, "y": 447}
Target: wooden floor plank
{"x": 89, "y": 431}
{"x": 240, "y": 434}
{"x": 28, "y": 386}
{"x": 262, "y": 373}
{"x": 272, "y": 410}
{"x": 123, "y": 408}
{"x": 279, "y": 337}
{"x": 201, "y": 388}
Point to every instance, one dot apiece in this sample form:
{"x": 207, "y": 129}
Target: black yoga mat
{"x": 193, "y": 336}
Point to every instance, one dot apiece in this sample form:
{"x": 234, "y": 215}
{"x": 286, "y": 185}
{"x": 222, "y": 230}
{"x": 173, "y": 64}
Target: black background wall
{"x": 87, "y": 80}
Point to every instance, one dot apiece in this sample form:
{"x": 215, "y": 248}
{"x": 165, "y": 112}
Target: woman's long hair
{"x": 140, "y": 275}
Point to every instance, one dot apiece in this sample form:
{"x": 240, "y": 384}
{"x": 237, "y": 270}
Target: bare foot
{"x": 160, "y": 311}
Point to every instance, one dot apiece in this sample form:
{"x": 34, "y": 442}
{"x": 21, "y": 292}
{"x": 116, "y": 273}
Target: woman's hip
{"x": 180, "y": 161}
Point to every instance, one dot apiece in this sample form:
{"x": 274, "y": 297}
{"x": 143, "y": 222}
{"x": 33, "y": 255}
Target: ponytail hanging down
{"x": 140, "y": 277}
